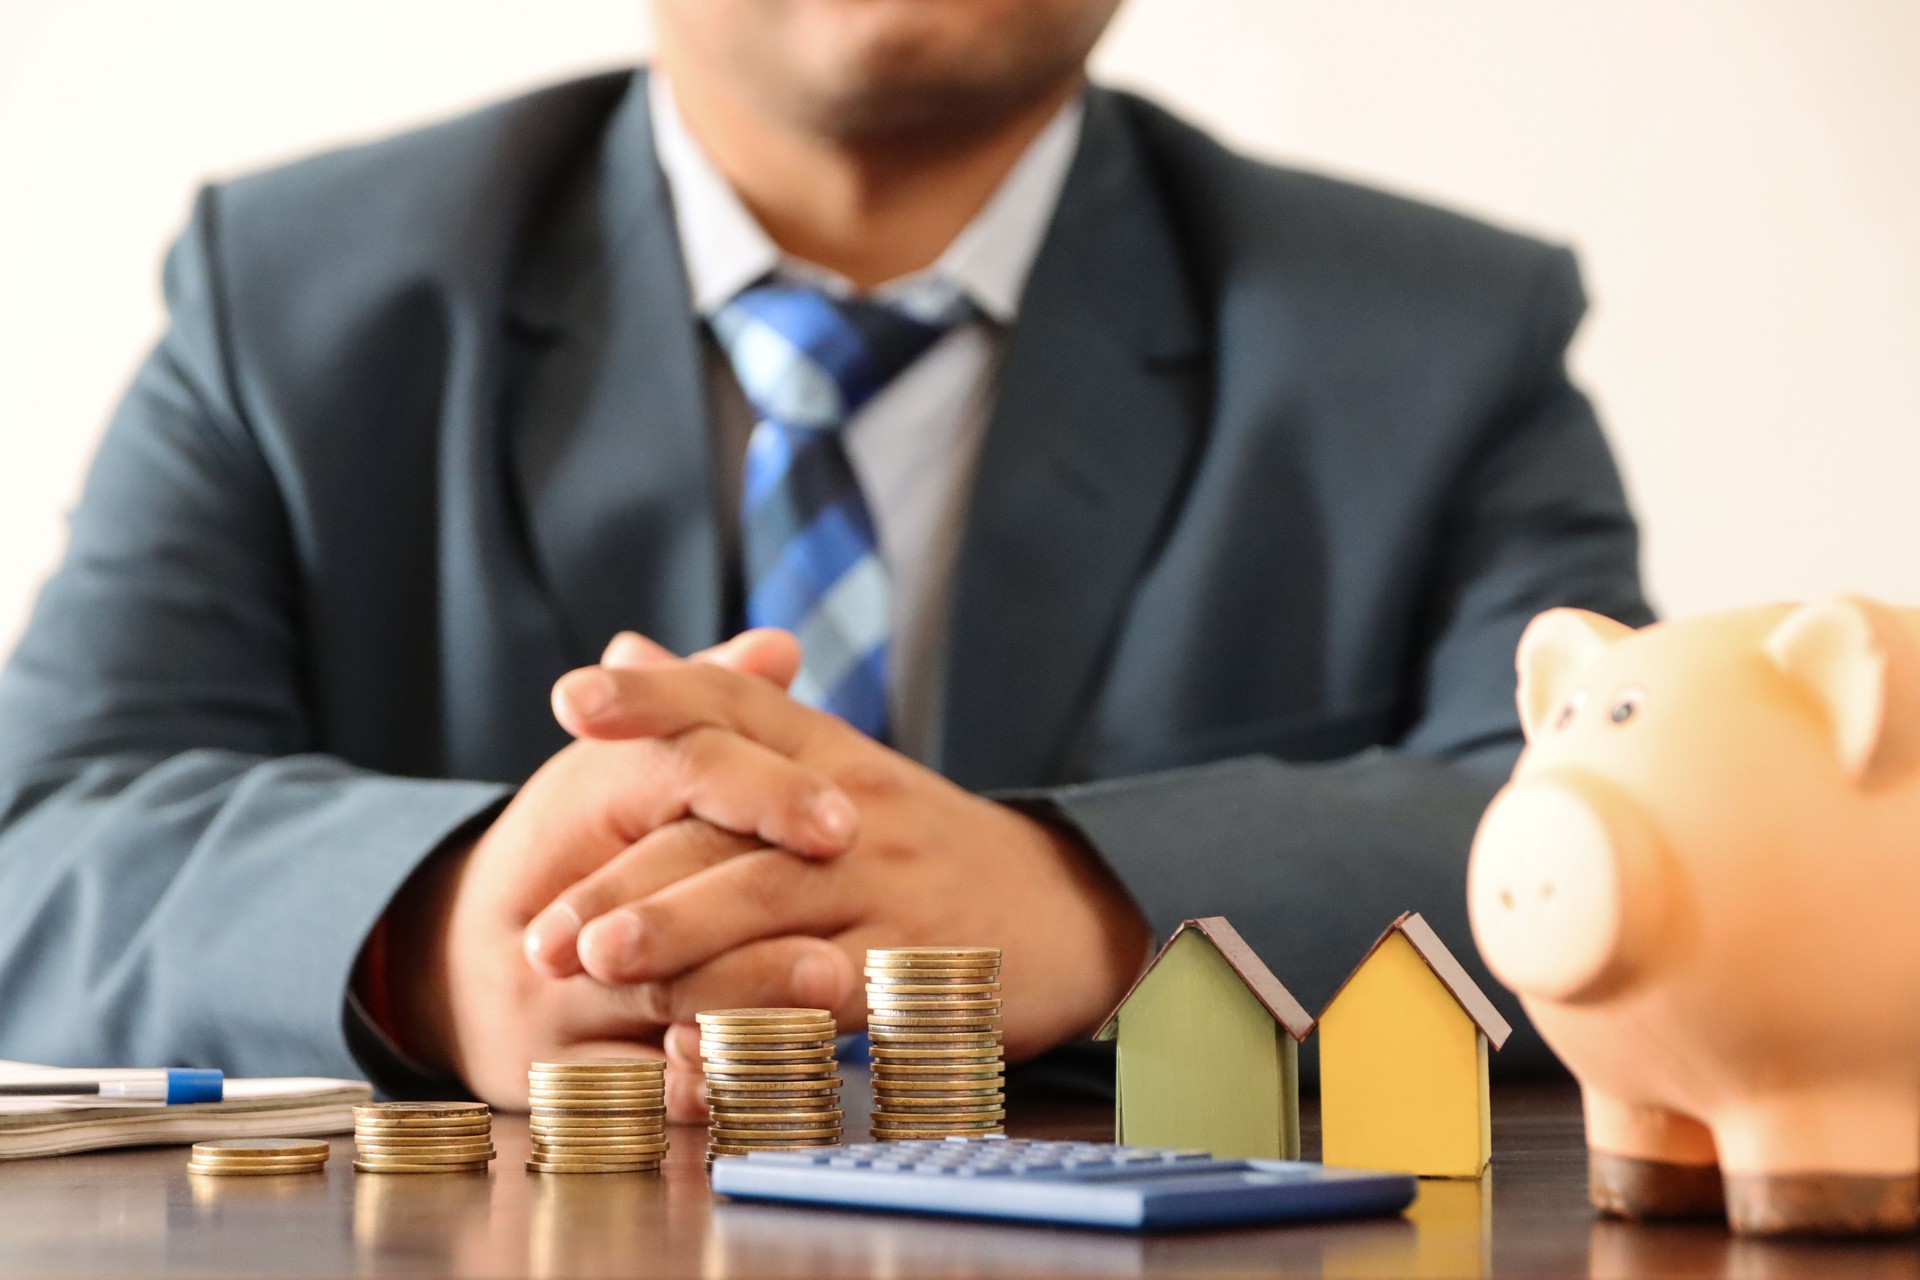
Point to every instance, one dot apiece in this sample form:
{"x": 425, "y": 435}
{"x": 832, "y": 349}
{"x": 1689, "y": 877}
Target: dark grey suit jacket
{"x": 1279, "y": 469}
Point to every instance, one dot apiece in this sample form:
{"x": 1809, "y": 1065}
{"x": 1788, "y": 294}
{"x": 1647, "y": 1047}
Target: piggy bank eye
{"x": 1569, "y": 709}
{"x": 1626, "y": 704}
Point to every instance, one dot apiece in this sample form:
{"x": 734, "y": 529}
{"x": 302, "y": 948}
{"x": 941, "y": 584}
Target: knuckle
{"x": 652, "y": 1001}
{"x": 869, "y": 777}
{"x": 763, "y": 882}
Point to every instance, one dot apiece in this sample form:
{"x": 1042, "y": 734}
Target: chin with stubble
{"x": 865, "y": 72}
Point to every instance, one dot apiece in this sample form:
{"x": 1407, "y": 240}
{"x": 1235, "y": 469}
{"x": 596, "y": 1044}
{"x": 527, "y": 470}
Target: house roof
{"x": 1453, "y": 976}
{"x": 1233, "y": 948}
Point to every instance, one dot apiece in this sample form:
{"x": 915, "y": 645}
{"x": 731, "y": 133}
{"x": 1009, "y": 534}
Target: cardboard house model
{"x": 1403, "y": 1060}
{"x": 1209, "y": 1050}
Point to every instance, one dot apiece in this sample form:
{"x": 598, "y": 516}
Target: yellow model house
{"x": 1209, "y": 1051}
{"x": 1403, "y": 1060}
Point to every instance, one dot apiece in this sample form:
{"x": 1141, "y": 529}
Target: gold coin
{"x": 452, "y": 1155}
{"x": 623, "y": 1146}
{"x": 783, "y": 1116}
{"x": 944, "y": 1103}
{"x": 770, "y": 1070}
{"x": 930, "y": 955}
{"x": 630, "y": 1151}
{"x": 258, "y": 1162}
{"x": 938, "y": 979}
{"x": 888, "y": 1039}
{"x": 777, "y": 1101}
{"x": 423, "y": 1110}
{"x": 887, "y": 989}
{"x": 938, "y": 1084}
{"x": 597, "y": 1066}
{"x": 423, "y": 1132}
{"x": 938, "y": 1049}
{"x": 732, "y": 1053}
{"x": 831, "y": 1133}
{"x": 602, "y": 1102}
{"x": 254, "y": 1171}
{"x": 624, "y": 1166}
{"x": 540, "y": 1112}
{"x": 465, "y": 1151}
{"x": 764, "y": 1038}
{"x": 381, "y": 1166}
{"x": 911, "y": 1092}
{"x": 763, "y": 1017}
{"x": 655, "y": 1125}
{"x": 937, "y": 1070}
{"x": 305, "y": 1151}
{"x": 774, "y": 1089}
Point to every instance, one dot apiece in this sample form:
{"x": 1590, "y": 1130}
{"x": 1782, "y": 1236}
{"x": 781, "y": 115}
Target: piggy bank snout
{"x": 1559, "y": 888}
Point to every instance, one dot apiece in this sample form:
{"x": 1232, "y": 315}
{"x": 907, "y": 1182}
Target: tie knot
{"x": 809, "y": 360}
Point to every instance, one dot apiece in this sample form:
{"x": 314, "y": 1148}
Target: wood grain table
{"x": 138, "y": 1214}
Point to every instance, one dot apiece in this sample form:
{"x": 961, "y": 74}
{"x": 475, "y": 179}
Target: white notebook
{"x": 295, "y": 1107}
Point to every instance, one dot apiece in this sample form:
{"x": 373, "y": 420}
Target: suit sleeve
{"x": 1312, "y": 861}
{"x": 187, "y": 881}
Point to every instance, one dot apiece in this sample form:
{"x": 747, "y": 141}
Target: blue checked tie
{"x": 808, "y": 362}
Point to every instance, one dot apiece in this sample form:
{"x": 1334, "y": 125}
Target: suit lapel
{"x": 1097, "y": 422}
{"x": 610, "y": 446}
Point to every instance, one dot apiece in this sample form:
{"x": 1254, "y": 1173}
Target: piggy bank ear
{"x": 1555, "y": 651}
{"x": 1858, "y": 660}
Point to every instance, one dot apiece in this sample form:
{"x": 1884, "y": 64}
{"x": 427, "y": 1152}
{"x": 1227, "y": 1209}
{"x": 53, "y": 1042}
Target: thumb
{"x": 767, "y": 652}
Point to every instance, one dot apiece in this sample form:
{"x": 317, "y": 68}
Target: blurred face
{"x": 866, "y": 69}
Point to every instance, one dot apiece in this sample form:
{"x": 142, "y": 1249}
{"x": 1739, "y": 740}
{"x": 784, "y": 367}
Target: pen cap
{"x": 191, "y": 1084}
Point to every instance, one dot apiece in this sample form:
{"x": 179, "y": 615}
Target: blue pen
{"x": 173, "y": 1086}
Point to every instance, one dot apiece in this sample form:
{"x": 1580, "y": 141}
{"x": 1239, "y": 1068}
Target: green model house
{"x": 1209, "y": 1052}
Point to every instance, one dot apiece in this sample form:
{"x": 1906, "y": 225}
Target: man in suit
{"x": 1156, "y": 527}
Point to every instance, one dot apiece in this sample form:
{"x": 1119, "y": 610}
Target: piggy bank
{"x": 1703, "y": 881}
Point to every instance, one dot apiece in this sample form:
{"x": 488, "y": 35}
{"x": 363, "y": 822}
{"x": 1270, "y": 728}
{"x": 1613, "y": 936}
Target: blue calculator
{"x": 1087, "y": 1184}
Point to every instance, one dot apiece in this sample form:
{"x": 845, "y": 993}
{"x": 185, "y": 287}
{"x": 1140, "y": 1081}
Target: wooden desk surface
{"x": 137, "y": 1213}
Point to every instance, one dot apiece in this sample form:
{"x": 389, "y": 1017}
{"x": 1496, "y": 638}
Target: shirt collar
{"x": 725, "y": 249}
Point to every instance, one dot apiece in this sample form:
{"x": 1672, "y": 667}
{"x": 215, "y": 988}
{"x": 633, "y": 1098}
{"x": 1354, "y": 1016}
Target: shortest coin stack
{"x": 772, "y": 1084}
{"x": 606, "y": 1116}
{"x": 256, "y": 1157}
{"x": 422, "y": 1137}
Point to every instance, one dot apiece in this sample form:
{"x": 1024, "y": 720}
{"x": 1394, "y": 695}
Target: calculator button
{"x": 788, "y": 1157}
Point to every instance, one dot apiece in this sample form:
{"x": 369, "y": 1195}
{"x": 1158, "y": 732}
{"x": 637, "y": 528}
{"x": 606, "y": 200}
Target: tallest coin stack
{"x": 933, "y": 1014}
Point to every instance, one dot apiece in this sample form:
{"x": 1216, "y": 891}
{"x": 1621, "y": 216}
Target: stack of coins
{"x": 606, "y": 1116}
{"x": 255, "y": 1157}
{"x": 422, "y": 1137}
{"x": 933, "y": 1014}
{"x": 772, "y": 1083}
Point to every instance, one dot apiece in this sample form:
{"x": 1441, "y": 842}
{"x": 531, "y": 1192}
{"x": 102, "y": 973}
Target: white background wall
{"x": 1742, "y": 178}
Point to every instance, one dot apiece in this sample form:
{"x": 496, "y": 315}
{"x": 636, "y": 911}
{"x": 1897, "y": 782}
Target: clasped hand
{"x": 708, "y": 842}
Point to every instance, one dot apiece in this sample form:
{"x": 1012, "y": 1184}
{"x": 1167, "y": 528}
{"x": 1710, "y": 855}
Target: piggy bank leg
{"x": 1646, "y": 1162}
{"x": 1822, "y": 1164}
